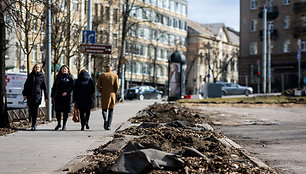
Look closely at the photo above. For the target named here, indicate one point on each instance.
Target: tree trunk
(4, 122)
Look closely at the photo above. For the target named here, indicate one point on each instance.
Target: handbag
(76, 117)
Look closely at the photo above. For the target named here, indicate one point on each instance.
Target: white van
(14, 86)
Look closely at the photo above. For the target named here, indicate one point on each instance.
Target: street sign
(88, 36)
(96, 49)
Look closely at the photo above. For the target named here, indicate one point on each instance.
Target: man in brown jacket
(108, 87)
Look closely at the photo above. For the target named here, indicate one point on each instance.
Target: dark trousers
(108, 121)
(58, 117)
(84, 116)
(33, 110)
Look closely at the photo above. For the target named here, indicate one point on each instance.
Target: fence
(20, 115)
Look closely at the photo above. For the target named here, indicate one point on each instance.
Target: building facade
(212, 55)
(286, 22)
(155, 29)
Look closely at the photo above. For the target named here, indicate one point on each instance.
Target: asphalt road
(274, 134)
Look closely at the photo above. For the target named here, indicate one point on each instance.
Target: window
(35, 24)
(303, 45)
(286, 46)
(270, 25)
(96, 11)
(62, 59)
(41, 54)
(253, 26)
(253, 48)
(101, 12)
(75, 5)
(75, 58)
(115, 15)
(286, 2)
(303, 19)
(286, 22)
(107, 13)
(253, 4)
(114, 39)
(42, 26)
(34, 54)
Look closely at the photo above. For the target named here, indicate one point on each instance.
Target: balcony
(299, 7)
(298, 28)
(299, 32)
(272, 13)
(274, 34)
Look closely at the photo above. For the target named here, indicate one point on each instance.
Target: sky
(215, 11)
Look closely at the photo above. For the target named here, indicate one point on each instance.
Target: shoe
(33, 128)
(82, 128)
(57, 127)
(87, 127)
(64, 128)
(108, 128)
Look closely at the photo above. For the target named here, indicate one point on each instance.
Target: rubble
(171, 139)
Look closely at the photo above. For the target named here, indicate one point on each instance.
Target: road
(275, 134)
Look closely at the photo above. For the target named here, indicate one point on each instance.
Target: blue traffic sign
(298, 55)
(88, 36)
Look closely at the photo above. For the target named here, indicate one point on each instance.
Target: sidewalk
(46, 150)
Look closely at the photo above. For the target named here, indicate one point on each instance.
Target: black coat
(84, 89)
(35, 83)
(63, 83)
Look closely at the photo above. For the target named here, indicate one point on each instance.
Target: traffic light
(258, 74)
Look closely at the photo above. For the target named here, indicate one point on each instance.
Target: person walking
(61, 95)
(108, 87)
(83, 91)
(32, 92)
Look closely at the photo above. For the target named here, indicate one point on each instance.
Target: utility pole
(264, 49)
(49, 30)
(89, 27)
(208, 62)
(299, 62)
(269, 58)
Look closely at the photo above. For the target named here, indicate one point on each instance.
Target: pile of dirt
(168, 112)
(170, 139)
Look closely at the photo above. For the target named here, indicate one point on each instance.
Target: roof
(212, 30)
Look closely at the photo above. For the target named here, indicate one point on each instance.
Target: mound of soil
(199, 150)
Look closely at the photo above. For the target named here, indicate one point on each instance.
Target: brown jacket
(108, 87)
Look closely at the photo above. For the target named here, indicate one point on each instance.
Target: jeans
(108, 121)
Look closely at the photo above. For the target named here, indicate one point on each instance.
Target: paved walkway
(46, 150)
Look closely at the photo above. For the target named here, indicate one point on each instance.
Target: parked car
(229, 88)
(143, 92)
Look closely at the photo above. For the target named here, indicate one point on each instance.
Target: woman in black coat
(61, 95)
(84, 89)
(32, 92)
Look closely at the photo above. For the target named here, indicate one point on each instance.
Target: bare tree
(63, 30)
(26, 14)
(4, 122)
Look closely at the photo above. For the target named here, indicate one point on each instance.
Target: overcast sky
(215, 11)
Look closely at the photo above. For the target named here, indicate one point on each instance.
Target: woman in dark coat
(84, 89)
(32, 92)
(61, 95)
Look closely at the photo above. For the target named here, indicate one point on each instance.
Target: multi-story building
(286, 22)
(155, 29)
(160, 29)
(212, 55)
